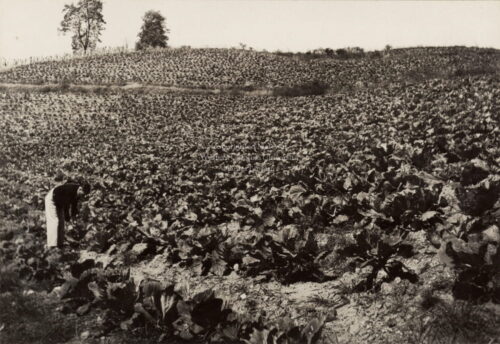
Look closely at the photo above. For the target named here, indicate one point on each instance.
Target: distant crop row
(226, 68)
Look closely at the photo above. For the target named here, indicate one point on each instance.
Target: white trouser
(55, 221)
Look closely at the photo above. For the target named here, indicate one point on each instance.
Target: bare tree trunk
(88, 28)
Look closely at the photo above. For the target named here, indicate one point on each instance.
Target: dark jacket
(65, 197)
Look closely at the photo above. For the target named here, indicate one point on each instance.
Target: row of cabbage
(226, 68)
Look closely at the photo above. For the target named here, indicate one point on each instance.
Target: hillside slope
(224, 68)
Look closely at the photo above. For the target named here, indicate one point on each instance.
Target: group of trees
(86, 22)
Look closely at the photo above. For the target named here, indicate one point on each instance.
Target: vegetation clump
(153, 33)
(85, 21)
(314, 88)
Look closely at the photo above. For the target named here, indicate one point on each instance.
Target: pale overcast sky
(29, 27)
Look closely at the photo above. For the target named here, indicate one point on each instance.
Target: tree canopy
(85, 21)
(153, 31)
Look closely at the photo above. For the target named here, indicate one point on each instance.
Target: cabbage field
(229, 68)
(366, 215)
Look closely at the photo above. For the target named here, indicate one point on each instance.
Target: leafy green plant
(289, 255)
(476, 264)
(380, 252)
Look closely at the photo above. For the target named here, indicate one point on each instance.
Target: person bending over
(61, 204)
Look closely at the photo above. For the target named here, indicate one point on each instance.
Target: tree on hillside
(86, 22)
(153, 31)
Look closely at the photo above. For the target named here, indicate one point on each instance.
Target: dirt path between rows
(132, 87)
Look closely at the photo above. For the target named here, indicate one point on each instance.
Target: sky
(30, 27)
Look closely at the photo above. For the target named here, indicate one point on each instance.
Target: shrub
(329, 52)
(375, 54)
(101, 90)
(9, 279)
(483, 69)
(64, 84)
(342, 53)
(46, 89)
(314, 88)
